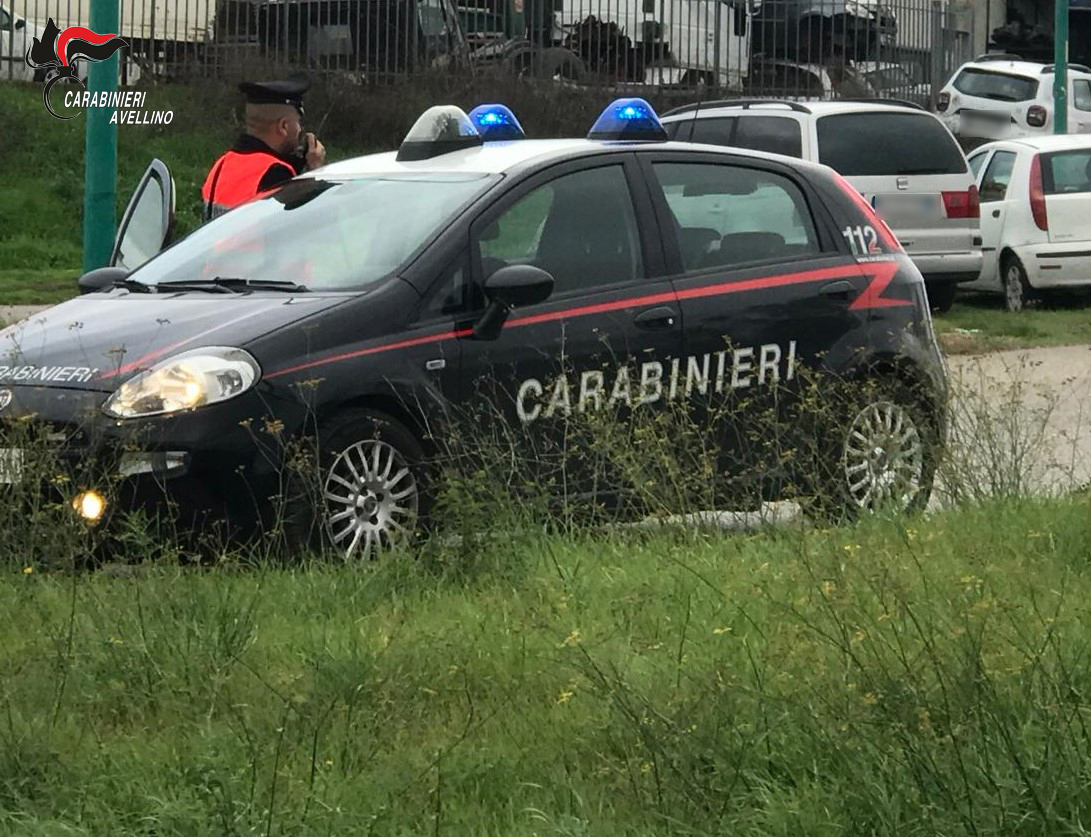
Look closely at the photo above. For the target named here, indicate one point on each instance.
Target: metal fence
(806, 49)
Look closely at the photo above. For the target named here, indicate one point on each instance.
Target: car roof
(1029, 69)
(822, 108)
(1047, 142)
(511, 157)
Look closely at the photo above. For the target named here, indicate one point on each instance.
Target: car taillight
(942, 101)
(1036, 116)
(962, 204)
(1038, 194)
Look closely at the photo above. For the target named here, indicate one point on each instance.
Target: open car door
(148, 220)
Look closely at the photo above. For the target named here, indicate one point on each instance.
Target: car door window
(580, 228)
(5, 21)
(713, 131)
(994, 186)
(1081, 94)
(730, 215)
(976, 161)
(776, 134)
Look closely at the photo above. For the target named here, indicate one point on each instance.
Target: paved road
(1025, 413)
(13, 313)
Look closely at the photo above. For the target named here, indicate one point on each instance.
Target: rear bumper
(938, 268)
(1065, 265)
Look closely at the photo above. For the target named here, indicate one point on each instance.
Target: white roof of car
(1030, 69)
(822, 108)
(1046, 142)
(501, 157)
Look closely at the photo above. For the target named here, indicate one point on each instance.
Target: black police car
(362, 302)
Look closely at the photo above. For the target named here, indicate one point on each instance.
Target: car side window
(994, 186)
(776, 134)
(453, 294)
(580, 228)
(976, 161)
(730, 215)
(714, 131)
(1081, 94)
(5, 21)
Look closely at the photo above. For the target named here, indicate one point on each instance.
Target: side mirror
(511, 287)
(100, 279)
(20, 23)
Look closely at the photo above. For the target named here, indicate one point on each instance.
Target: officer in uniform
(273, 150)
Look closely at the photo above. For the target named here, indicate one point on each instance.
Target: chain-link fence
(805, 49)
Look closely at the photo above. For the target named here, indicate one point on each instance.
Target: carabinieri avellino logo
(59, 53)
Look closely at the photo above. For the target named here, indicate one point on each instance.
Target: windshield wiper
(133, 285)
(232, 284)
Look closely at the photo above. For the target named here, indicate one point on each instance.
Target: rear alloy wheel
(885, 456)
(1017, 291)
(372, 488)
(883, 461)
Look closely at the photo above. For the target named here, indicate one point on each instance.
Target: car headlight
(184, 382)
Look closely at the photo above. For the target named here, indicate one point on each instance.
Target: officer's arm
(275, 176)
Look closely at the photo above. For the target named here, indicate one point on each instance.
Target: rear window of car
(884, 143)
(775, 134)
(987, 84)
(1066, 172)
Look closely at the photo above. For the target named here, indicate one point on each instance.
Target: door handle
(657, 318)
(840, 289)
(996, 213)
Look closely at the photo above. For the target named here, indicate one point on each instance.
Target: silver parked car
(901, 158)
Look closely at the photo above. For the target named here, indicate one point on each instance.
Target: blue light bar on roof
(628, 119)
(496, 123)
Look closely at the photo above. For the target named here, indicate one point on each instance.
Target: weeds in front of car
(887, 678)
(538, 669)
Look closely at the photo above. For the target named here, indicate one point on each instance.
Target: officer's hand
(316, 152)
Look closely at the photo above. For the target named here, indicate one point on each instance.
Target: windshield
(998, 86)
(324, 235)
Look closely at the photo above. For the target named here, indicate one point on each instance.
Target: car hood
(98, 341)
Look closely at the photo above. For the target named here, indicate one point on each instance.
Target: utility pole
(1060, 67)
(100, 149)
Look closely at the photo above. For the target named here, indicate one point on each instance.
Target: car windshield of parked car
(1000, 86)
(881, 143)
(322, 234)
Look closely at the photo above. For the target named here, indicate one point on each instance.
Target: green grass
(979, 323)
(929, 679)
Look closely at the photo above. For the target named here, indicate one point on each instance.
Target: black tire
(861, 454)
(377, 468)
(1013, 279)
(941, 298)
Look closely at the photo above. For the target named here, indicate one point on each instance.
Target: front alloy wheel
(371, 499)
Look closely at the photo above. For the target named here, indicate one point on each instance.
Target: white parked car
(1035, 216)
(1000, 96)
(16, 37)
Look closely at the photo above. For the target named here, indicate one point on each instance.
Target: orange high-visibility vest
(234, 180)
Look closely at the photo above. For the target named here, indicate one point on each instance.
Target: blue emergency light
(496, 123)
(628, 119)
(439, 130)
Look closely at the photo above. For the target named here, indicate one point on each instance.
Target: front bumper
(215, 463)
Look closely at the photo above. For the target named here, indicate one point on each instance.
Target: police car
(362, 304)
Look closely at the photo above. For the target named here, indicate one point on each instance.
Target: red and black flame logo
(59, 52)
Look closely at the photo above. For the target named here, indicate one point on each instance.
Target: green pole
(100, 149)
(1060, 67)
